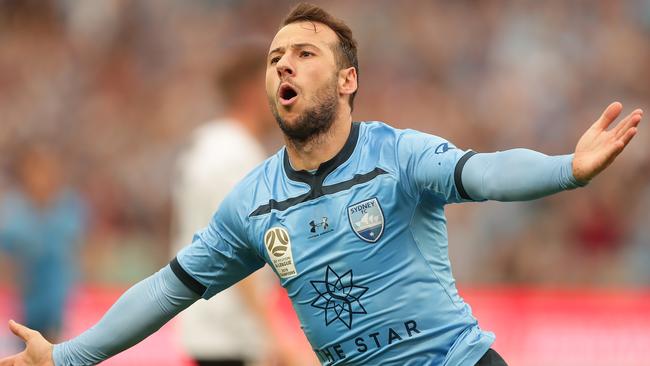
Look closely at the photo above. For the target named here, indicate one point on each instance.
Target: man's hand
(598, 147)
(38, 351)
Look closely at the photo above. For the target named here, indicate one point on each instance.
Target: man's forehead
(304, 32)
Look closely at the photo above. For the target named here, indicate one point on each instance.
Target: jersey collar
(327, 167)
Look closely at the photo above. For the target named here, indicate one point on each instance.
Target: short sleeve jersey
(360, 246)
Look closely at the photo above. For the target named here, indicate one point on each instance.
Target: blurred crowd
(117, 86)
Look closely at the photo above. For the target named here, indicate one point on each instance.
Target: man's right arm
(218, 258)
(138, 313)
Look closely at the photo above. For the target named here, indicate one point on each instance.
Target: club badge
(367, 220)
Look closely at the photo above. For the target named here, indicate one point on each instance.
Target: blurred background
(107, 93)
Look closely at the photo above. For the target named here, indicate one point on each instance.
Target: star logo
(339, 297)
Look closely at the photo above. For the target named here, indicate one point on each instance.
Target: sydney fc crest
(367, 220)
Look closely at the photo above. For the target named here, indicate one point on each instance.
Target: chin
(290, 115)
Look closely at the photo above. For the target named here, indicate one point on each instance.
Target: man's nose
(284, 68)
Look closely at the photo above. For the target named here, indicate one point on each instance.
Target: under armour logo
(323, 224)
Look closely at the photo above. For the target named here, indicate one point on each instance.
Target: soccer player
(371, 283)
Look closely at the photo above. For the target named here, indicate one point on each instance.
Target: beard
(314, 121)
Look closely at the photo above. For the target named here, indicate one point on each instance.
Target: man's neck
(311, 155)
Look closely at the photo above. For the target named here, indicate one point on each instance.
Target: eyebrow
(294, 46)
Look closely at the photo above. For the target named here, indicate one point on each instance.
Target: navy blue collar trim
(316, 179)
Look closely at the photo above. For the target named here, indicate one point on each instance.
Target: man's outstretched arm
(520, 174)
(138, 313)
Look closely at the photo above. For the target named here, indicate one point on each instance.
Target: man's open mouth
(287, 94)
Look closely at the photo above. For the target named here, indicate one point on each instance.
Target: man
(231, 328)
(374, 285)
(41, 228)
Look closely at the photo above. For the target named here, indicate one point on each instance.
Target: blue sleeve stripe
(186, 278)
(458, 175)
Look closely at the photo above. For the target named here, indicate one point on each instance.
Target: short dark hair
(346, 52)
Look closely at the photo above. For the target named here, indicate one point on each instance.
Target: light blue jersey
(360, 246)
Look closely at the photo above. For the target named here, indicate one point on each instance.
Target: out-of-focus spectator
(232, 328)
(41, 227)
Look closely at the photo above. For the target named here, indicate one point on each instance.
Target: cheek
(321, 75)
(322, 85)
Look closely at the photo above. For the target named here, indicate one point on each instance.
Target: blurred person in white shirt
(236, 327)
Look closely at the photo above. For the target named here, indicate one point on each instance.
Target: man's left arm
(521, 174)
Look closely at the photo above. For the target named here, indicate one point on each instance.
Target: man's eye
(305, 54)
(275, 60)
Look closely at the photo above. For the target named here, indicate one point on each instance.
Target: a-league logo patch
(367, 220)
(278, 246)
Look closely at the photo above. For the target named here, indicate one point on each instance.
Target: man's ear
(348, 81)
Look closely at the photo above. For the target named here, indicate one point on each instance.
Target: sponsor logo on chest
(319, 227)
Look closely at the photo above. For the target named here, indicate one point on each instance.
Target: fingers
(628, 136)
(21, 331)
(609, 115)
(632, 120)
(617, 146)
